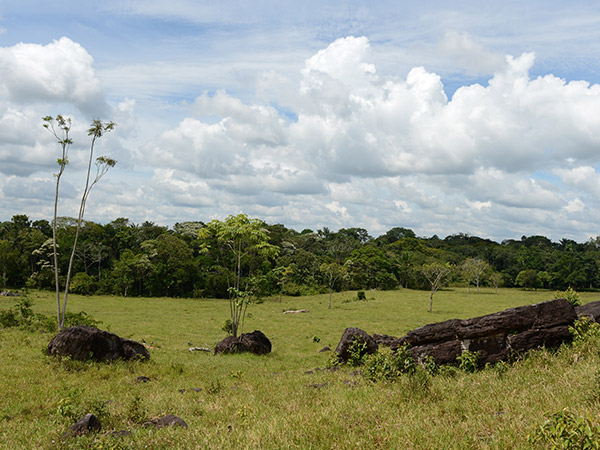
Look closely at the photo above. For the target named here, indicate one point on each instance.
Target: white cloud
(61, 71)
(352, 145)
(357, 133)
(575, 206)
(467, 53)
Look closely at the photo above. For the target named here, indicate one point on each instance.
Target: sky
(443, 117)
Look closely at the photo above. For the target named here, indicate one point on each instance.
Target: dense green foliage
(128, 259)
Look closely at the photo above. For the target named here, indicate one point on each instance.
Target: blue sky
(443, 117)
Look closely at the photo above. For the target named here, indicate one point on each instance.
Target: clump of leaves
(357, 352)
(389, 366)
(81, 318)
(565, 430)
(468, 361)
(214, 387)
(571, 295)
(584, 329)
(22, 316)
(227, 327)
(69, 406)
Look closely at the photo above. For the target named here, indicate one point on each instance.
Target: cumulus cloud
(362, 144)
(354, 147)
(61, 71)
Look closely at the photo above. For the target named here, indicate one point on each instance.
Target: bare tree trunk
(431, 300)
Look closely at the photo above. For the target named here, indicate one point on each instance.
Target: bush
(571, 295)
(565, 430)
(21, 315)
(358, 353)
(83, 284)
(227, 327)
(468, 361)
(81, 318)
(389, 366)
(584, 329)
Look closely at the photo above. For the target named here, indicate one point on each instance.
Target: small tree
(473, 270)
(333, 273)
(60, 128)
(245, 239)
(437, 274)
(496, 280)
(528, 279)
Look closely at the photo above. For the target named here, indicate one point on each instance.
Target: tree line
(188, 260)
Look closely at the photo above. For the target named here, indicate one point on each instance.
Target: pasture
(286, 399)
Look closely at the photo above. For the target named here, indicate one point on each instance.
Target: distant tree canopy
(129, 259)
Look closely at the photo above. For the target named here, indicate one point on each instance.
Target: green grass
(270, 401)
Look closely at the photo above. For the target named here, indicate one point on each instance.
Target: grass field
(271, 402)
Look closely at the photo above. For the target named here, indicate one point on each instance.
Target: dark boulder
(134, 350)
(255, 342)
(169, 420)
(82, 343)
(351, 335)
(441, 352)
(433, 332)
(495, 336)
(535, 338)
(88, 424)
(384, 339)
(590, 310)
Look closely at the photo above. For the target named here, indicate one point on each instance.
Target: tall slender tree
(60, 128)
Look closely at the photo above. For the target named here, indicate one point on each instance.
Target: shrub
(389, 366)
(584, 329)
(227, 327)
(357, 352)
(468, 361)
(571, 295)
(81, 318)
(21, 315)
(83, 284)
(565, 430)
(360, 295)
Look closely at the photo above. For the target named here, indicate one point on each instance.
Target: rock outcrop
(86, 425)
(494, 336)
(351, 335)
(589, 310)
(82, 343)
(255, 342)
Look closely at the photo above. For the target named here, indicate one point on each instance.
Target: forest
(128, 259)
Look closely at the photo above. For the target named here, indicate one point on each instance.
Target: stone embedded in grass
(119, 433)
(83, 343)
(142, 379)
(255, 342)
(88, 424)
(350, 335)
(169, 420)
